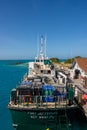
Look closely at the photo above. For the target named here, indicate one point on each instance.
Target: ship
(40, 101)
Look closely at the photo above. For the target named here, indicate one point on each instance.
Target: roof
(82, 63)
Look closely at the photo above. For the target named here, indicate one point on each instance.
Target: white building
(79, 68)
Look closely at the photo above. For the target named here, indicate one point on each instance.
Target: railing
(39, 101)
(80, 95)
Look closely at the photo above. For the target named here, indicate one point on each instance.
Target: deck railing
(40, 101)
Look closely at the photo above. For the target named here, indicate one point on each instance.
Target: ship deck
(43, 106)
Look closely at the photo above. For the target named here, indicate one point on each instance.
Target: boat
(40, 102)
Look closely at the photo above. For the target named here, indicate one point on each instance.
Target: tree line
(67, 61)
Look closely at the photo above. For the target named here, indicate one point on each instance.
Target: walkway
(78, 84)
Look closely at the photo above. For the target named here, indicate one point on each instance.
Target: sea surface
(11, 74)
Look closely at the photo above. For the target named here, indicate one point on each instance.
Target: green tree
(69, 61)
(78, 57)
(56, 60)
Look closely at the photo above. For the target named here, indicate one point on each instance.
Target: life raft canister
(28, 98)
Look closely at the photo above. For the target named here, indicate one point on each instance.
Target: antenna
(71, 55)
(41, 47)
(45, 46)
(37, 47)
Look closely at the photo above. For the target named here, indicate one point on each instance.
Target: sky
(22, 22)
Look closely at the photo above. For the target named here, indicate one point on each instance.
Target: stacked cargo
(47, 93)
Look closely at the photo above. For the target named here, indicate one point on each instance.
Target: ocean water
(10, 76)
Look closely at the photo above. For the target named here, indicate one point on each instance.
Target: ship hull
(32, 119)
(36, 119)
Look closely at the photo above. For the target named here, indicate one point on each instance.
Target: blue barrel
(50, 90)
(47, 92)
(57, 93)
(44, 90)
(45, 99)
(50, 99)
(63, 95)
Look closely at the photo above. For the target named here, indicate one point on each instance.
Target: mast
(41, 46)
(45, 46)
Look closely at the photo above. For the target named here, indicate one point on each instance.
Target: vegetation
(55, 60)
(78, 57)
(69, 61)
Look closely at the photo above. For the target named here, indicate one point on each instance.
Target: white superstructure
(41, 65)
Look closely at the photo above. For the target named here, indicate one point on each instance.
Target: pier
(80, 95)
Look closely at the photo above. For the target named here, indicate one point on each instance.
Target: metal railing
(40, 101)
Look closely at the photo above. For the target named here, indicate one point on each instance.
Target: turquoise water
(10, 75)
